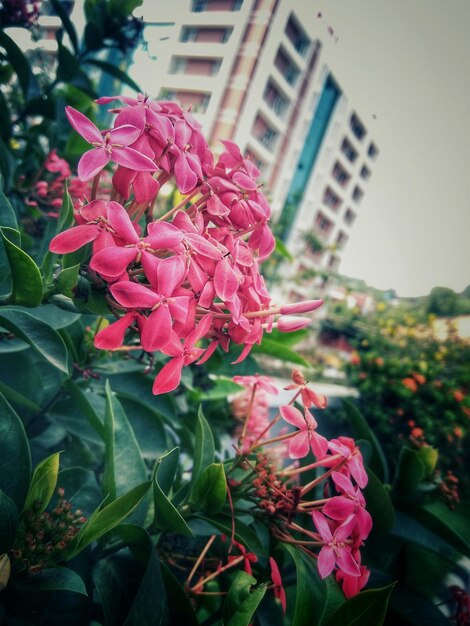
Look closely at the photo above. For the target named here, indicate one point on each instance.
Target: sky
(405, 67)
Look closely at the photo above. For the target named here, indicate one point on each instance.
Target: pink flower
(336, 550)
(306, 438)
(351, 501)
(249, 557)
(169, 377)
(353, 584)
(278, 590)
(309, 397)
(94, 228)
(346, 447)
(113, 146)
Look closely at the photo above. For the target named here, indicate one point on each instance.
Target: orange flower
(379, 361)
(419, 378)
(417, 433)
(355, 358)
(410, 384)
(458, 395)
(458, 432)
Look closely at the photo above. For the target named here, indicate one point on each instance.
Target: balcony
(200, 6)
(275, 100)
(297, 36)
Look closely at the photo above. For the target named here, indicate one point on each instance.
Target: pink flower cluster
(340, 518)
(193, 272)
(47, 192)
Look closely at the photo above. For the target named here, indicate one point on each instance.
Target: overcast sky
(405, 66)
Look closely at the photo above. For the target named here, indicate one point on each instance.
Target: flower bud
(301, 307)
(290, 324)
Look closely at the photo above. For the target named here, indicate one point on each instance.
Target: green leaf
(67, 281)
(26, 278)
(379, 504)
(310, 594)
(167, 516)
(222, 388)
(8, 215)
(81, 488)
(282, 250)
(279, 351)
(242, 600)
(39, 335)
(410, 471)
(366, 609)
(81, 400)
(149, 605)
(68, 66)
(18, 61)
(67, 24)
(15, 457)
(124, 465)
(165, 469)
(104, 520)
(410, 530)
(8, 521)
(204, 448)
(115, 72)
(43, 484)
(378, 462)
(53, 579)
(450, 525)
(179, 607)
(54, 316)
(66, 216)
(210, 489)
(18, 399)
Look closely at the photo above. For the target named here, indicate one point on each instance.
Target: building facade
(252, 71)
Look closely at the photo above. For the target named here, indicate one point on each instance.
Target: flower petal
(112, 262)
(121, 222)
(92, 162)
(74, 238)
(128, 157)
(326, 561)
(112, 336)
(132, 295)
(293, 416)
(168, 378)
(83, 125)
(157, 329)
(299, 445)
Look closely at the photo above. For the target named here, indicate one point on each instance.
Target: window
(372, 151)
(340, 174)
(341, 239)
(197, 101)
(322, 223)
(357, 127)
(264, 133)
(193, 66)
(365, 172)
(286, 67)
(199, 6)
(331, 199)
(297, 36)
(333, 262)
(205, 34)
(273, 98)
(348, 150)
(349, 217)
(357, 194)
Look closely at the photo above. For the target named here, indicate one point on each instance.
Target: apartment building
(253, 71)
